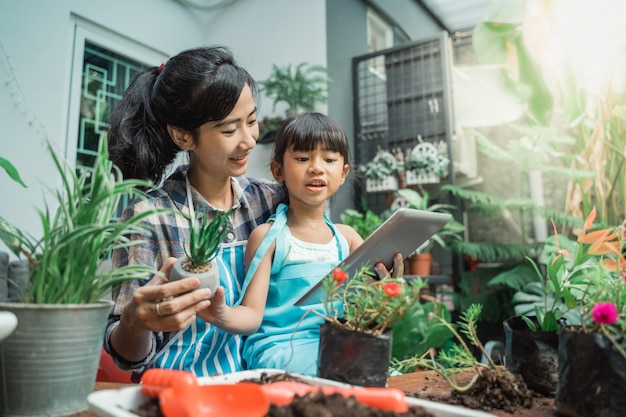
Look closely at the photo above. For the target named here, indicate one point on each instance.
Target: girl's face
(223, 147)
(311, 177)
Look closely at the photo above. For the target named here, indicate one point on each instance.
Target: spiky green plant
(301, 88)
(64, 263)
(205, 237)
(460, 357)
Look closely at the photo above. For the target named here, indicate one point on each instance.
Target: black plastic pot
(592, 375)
(533, 355)
(355, 358)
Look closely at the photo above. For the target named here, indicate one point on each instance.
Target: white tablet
(404, 231)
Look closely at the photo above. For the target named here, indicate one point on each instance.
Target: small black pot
(533, 355)
(352, 357)
(592, 375)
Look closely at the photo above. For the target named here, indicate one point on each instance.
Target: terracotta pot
(352, 357)
(420, 263)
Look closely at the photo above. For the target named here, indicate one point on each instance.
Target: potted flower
(61, 315)
(381, 172)
(425, 165)
(356, 337)
(596, 349)
(205, 237)
(301, 88)
(531, 340)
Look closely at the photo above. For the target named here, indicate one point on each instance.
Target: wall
(37, 43)
(37, 37)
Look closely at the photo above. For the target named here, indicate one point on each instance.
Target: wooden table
(427, 382)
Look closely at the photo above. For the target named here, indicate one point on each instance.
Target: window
(105, 76)
(104, 63)
(379, 36)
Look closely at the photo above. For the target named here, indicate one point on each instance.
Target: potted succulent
(301, 88)
(205, 237)
(381, 172)
(356, 336)
(61, 311)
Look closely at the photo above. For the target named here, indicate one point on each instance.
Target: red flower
(604, 313)
(339, 275)
(392, 289)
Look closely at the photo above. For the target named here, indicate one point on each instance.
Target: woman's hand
(166, 306)
(396, 272)
(158, 306)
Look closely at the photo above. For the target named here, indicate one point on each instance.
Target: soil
(309, 405)
(497, 391)
(487, 394)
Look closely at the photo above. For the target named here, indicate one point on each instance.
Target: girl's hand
(396, 272)
(215, 313)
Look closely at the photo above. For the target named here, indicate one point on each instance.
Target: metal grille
(402, 97)
(105, 77)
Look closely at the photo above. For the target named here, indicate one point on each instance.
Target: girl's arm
(246, 317)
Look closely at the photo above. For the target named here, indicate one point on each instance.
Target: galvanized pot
(48, 365)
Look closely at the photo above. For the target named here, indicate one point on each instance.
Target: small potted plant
(205, 237)
(425, 165)
(356, 339)
(596, 348)
(381, 172)
(64, 289)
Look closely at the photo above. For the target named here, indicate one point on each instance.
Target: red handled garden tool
(180, 395)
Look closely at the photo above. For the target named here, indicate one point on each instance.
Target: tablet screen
(404, 231)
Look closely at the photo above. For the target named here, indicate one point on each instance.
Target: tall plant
(64, 262)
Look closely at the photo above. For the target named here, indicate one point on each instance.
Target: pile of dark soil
(497, 391)
(496, 388)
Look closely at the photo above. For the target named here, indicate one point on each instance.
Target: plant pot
(389, 183)
(209, 277)
(352, 357)
(48, 365)
(419, 264)
(592, 375)
(533, 355)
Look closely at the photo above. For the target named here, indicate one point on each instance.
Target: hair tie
(161, 67)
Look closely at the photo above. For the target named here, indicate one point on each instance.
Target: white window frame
(86, 31)
(384, 40)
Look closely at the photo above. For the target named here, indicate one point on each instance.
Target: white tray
(120, 402)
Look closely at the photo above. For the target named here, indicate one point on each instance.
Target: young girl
(200, 101)
(293, 251)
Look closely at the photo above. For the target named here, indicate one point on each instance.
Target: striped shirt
(201, 348)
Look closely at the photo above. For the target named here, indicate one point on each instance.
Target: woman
(200, 102)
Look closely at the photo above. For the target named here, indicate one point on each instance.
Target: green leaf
(12, 171)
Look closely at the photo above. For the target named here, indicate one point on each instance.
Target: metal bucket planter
(48, 365)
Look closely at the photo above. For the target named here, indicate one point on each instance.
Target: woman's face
(223, 147)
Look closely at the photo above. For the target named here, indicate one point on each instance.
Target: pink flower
(604, 313)
(392, 289)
